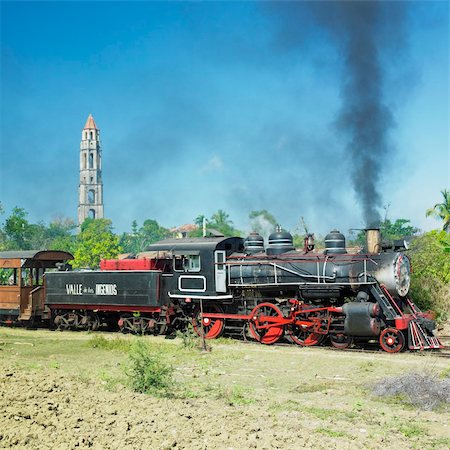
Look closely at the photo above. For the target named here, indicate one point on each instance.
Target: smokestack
(373, 240)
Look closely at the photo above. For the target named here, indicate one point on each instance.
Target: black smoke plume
(367, 34)
(364, 118)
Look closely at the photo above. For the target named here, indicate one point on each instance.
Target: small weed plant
(189, 338)
(148, 373)
(411, 430)
(234, 395)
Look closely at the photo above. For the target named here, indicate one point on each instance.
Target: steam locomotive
(236, 285)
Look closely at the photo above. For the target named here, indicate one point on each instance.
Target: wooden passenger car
(21, 282)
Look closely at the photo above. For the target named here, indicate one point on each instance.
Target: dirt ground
(57, 392)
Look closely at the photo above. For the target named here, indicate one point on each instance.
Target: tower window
(92, 135)
(84, 161)
(91, 196)
(91, 160)
(92, 213)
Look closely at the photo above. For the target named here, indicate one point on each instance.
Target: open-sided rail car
(22, 280)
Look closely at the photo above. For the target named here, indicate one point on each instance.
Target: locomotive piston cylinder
(361, 319)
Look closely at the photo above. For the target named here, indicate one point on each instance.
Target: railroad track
(442, 353)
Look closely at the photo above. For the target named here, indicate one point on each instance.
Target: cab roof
(207, 243)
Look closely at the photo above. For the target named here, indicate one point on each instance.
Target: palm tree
(199, 220)
(442, 210)
(221, 218)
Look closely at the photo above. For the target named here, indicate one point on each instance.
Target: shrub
(430, 277)
(148, 373)
(425, 391)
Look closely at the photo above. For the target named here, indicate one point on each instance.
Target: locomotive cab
(198, 266)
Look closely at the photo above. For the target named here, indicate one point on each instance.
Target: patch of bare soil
(51, 410)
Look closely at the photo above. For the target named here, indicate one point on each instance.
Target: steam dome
(254, 243)
(335, 243)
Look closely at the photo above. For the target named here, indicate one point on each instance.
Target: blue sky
(229, 105)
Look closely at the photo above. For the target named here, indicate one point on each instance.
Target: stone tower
(90, 192)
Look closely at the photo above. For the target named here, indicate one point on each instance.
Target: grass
(328, 413)
(445, 373)
(333, 433)
(411, 430)
(99, 341)
(312, 387)
(326, 392)
(435, 443)
(314, 411)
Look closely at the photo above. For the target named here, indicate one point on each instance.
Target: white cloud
(214, 164)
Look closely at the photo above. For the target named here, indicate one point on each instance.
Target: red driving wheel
(260, 325)
(212, 327)
(302, 335)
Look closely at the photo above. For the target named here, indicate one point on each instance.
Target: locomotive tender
(231, 284)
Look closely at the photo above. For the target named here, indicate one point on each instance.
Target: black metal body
(96, 288)
(318, 276)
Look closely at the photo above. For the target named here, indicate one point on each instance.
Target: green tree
(19, 234)
(60, 234)
(199, 231)
(390, 231)
(263, 222)
(397, 230)
(442, 210)
(221, 218)
(37, 235)
(199, 220)
(151, 232)
(140, 238)
(430, 278)
(17, 231)
(96, 241)
(131, 242)
(220, 221)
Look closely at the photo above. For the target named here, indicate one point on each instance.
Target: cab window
(186, 263)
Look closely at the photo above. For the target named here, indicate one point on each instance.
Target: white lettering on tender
(106, 289)
(74, 289)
